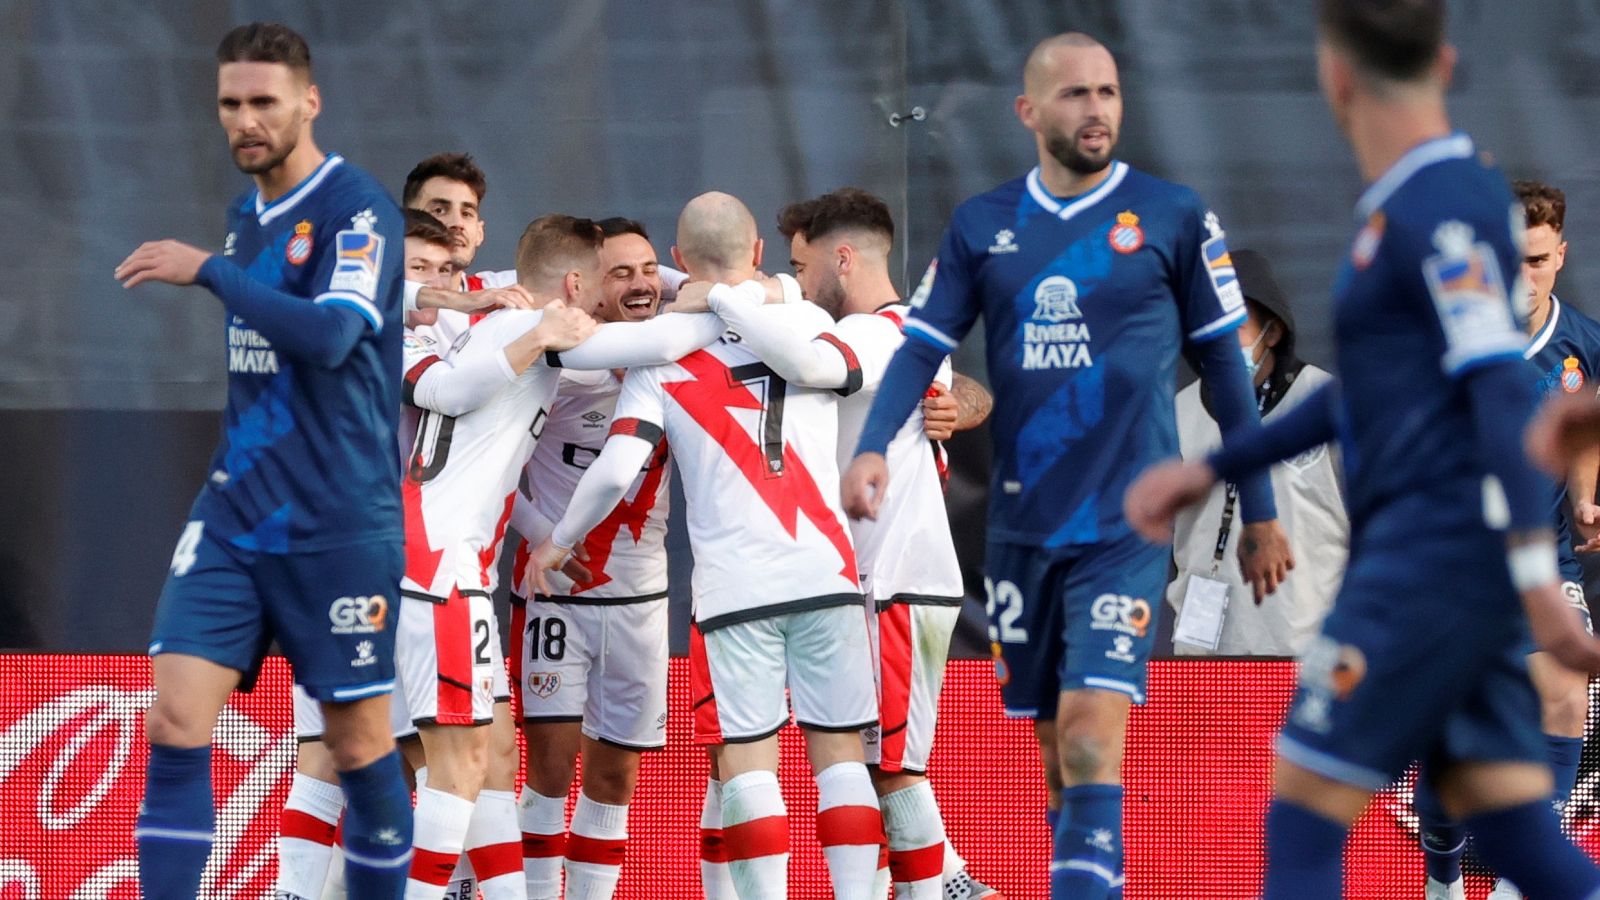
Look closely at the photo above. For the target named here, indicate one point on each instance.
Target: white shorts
(911, 643)
(449, 659)
(738, 673)
(308, 716)
(602, 664)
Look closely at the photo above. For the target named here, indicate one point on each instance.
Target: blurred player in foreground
(296, 532)
(1423, 656)
(1091, 277)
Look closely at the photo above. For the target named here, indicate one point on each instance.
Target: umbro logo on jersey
(1005, 241)
(594, 418)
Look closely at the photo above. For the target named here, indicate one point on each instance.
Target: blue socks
(175, 822)
(1443, 839)
(1564, 755)
(377, 829)
(1087, 864)
(1525, 844)
(1305, 855)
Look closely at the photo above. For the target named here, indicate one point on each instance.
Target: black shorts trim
(903, 770)
(567, 600)
(552, 720)
(430, 720)
(751, 739)
(788, 607)
(893, 731)
(920, 600)
(423, 595)
(634, 748)
(836, 729)
(308, 738)
(473, 592)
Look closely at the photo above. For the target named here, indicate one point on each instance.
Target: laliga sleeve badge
(1571, 375)
(1126, 236)
(1366, 244)
(298, 250)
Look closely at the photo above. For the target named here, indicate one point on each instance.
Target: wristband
(1533, 565)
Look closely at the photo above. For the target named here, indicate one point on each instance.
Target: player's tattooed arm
(962, 406)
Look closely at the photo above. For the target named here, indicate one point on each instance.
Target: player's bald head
(716, 231)
(1051, 56)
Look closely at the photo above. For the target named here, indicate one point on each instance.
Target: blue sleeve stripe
(931, 334)
(1457, 365)
(357, 302)
(1219, 327)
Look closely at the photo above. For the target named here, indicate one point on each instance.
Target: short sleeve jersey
(1086, 303)
(1424, 299)
(627, 550)
(760, 478)
(463, 471)
(307, 461)
(1566, 358)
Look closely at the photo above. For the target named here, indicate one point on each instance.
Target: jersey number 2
(1004, 608)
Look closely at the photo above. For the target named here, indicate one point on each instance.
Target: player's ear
(1444, 66)
(1560, 257)
(756, 262)
(677, 259)
(844, 257)
(1025, 111)
(312, 102)
(1274, 332)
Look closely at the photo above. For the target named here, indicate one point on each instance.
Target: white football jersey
(758, 458)
(421, 343)
(462, 472)
(908, 552)
(627, 551)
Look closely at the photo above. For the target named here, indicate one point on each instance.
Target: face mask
(1251, 364)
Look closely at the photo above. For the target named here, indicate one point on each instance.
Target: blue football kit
(1430, 355)
(296, 533)
(1087, 303)
(1565, 353)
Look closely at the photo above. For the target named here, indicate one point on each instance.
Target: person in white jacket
(1214, 607)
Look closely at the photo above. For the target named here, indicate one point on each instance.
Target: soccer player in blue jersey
(296, 534)
(1091, 277)
(1564, 347)
(1423, 656)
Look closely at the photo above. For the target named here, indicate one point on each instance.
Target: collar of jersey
(1451, 146)
(266, 212)
(1545, 333)
(1065, 211)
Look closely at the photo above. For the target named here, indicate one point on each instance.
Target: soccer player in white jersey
(451, 187)
(457, 490)
(591, 659)
(311, 812)
(775, 590)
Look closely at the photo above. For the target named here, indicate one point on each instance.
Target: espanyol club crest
(1126, 236)
(298, 250)
(1366, 243)
(1571, 375)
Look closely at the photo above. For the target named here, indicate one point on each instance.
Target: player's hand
(1561, 429)
(1158, 494)
(940, 411)
(513, 296)
(1264, 557)
(173, 262)
(1558, 628)
(422, 317)
(574, 567)
(863, 485)
(693, 297)
(1586, 522)
(773, 285)
(546, 557)
(563, 327)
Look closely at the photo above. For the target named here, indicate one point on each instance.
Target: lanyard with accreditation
(1205, 599)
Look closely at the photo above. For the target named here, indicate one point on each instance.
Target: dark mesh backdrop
(109, 138)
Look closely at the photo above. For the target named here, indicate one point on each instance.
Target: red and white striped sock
(916, 842)
(544, 842)
(755, 832)
(716, 882)
(595, 849)
(880, 881)
(494, 844)
(849, 828)
(306, 836)
(438, 836)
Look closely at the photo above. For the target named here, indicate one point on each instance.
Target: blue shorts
(1424, 657)
(332, 612)
(1072, 617)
